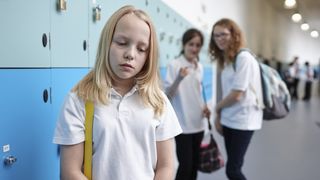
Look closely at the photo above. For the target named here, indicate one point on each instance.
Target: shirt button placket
(119, 106)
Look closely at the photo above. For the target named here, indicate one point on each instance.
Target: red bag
(210, 158)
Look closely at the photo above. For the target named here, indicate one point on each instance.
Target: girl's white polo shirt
(187, 101)
(245, 114)
(125, 133)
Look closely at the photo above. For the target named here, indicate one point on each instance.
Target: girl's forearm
(171, 91)
(164, 173)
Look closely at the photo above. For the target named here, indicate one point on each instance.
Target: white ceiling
(309, 9)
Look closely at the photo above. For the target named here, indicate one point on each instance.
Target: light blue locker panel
(24, 33)
(140, 4)
(154, 10)
(207, 82)
(157, 11)
(174, 27)
(61, 86)
(69, 34)
(24, 124)
(170, 27)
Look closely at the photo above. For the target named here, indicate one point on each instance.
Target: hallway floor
(287, 149)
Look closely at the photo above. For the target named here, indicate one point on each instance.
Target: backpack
(276, 97)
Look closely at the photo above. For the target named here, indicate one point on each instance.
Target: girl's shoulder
(245, 54)
(176, 62)
(245, 57)
(72, 98)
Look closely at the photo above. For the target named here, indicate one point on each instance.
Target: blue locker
(25, 111)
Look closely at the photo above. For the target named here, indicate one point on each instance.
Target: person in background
(266, 61)
(134, 122)
(309, 78)
(279, 68)
(183, 87)
(238, 109)
(318, 77)
(289, 78)
(295, 73)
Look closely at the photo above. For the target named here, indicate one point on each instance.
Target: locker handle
(62, 5)
(97, 13)
(44, 40)
(84, 45)
(10, 160)
(45, 96)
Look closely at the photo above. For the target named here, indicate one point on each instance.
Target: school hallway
(286, 149)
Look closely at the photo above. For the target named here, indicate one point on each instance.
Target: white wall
(268, 32)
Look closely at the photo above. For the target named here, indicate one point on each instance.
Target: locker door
(69, 34)
(25, 114)
(24, 33)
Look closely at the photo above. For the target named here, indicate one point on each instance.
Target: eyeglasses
(222, 35)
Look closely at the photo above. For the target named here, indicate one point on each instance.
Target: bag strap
(205, 101)
(88, 140)
(235, 57)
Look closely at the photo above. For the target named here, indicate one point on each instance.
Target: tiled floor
(287, 149)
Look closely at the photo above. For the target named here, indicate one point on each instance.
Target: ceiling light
(314, 34)
(290, 4)
(296, 17)
(305, 27)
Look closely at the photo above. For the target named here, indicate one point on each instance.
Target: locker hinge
(50, 95)
(49, 41)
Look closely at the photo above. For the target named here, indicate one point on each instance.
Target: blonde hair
(96, 85)
(237, 42)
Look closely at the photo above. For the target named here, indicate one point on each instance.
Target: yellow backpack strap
(88, 140)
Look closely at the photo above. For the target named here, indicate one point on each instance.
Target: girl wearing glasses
(238, 80)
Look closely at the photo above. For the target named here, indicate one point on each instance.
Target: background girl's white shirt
(187, 101)
(125, 133)
(245, 114)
